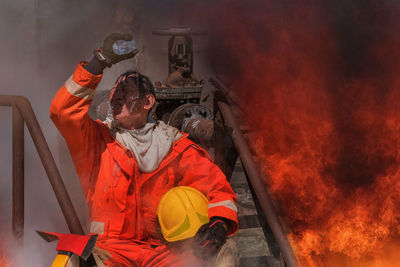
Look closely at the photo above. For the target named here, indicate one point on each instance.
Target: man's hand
(106, 54)
(210, 238)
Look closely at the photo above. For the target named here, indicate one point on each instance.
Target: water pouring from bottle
(122, 47)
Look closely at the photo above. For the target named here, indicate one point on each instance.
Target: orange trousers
(129, 253)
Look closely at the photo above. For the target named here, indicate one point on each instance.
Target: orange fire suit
(122, 200)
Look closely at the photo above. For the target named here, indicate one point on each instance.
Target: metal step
(250, 239)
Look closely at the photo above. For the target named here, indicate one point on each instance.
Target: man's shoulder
(182, 143)
(187, 146)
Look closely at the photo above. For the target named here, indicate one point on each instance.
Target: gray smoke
(42, 41)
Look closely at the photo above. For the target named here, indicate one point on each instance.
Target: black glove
(210, 238)
(106, 54)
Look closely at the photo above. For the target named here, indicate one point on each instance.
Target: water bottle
(122, 47)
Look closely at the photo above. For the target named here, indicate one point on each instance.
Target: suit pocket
(119, 187)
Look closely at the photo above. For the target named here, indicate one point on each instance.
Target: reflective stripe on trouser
(97, 227)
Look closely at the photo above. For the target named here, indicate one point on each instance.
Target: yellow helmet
(181, 212)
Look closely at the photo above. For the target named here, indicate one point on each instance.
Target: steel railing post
(18, 191)
(23, 112)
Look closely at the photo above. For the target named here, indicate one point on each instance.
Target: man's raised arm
(69, 108)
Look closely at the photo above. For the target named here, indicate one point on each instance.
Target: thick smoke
(42, 41)
(321, 79)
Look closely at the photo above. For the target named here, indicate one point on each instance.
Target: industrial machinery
(179, 95)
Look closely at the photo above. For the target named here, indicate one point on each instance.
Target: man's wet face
(124, 100)
(117, 100)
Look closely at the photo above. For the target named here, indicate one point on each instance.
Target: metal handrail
(22, 112)
(254, 176)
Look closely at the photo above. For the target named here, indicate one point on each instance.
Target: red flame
(4, 261)
(327, 98)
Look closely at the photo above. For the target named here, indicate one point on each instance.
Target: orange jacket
(122, 200)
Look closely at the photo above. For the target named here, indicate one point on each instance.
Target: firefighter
(127, 163)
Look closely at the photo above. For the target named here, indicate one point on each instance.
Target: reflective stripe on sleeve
(77, 90)
(226, 203)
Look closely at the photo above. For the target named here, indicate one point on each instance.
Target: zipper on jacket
(138, 209)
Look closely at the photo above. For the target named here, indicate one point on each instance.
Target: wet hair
(142, 82)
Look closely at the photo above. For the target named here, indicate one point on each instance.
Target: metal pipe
(233, 100)
(199, 129)
(258, 185)
(47, 159)
(18, 194)
(228, 93)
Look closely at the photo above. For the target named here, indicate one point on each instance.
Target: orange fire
(335, 220)
(4, 262)
(326, 98)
